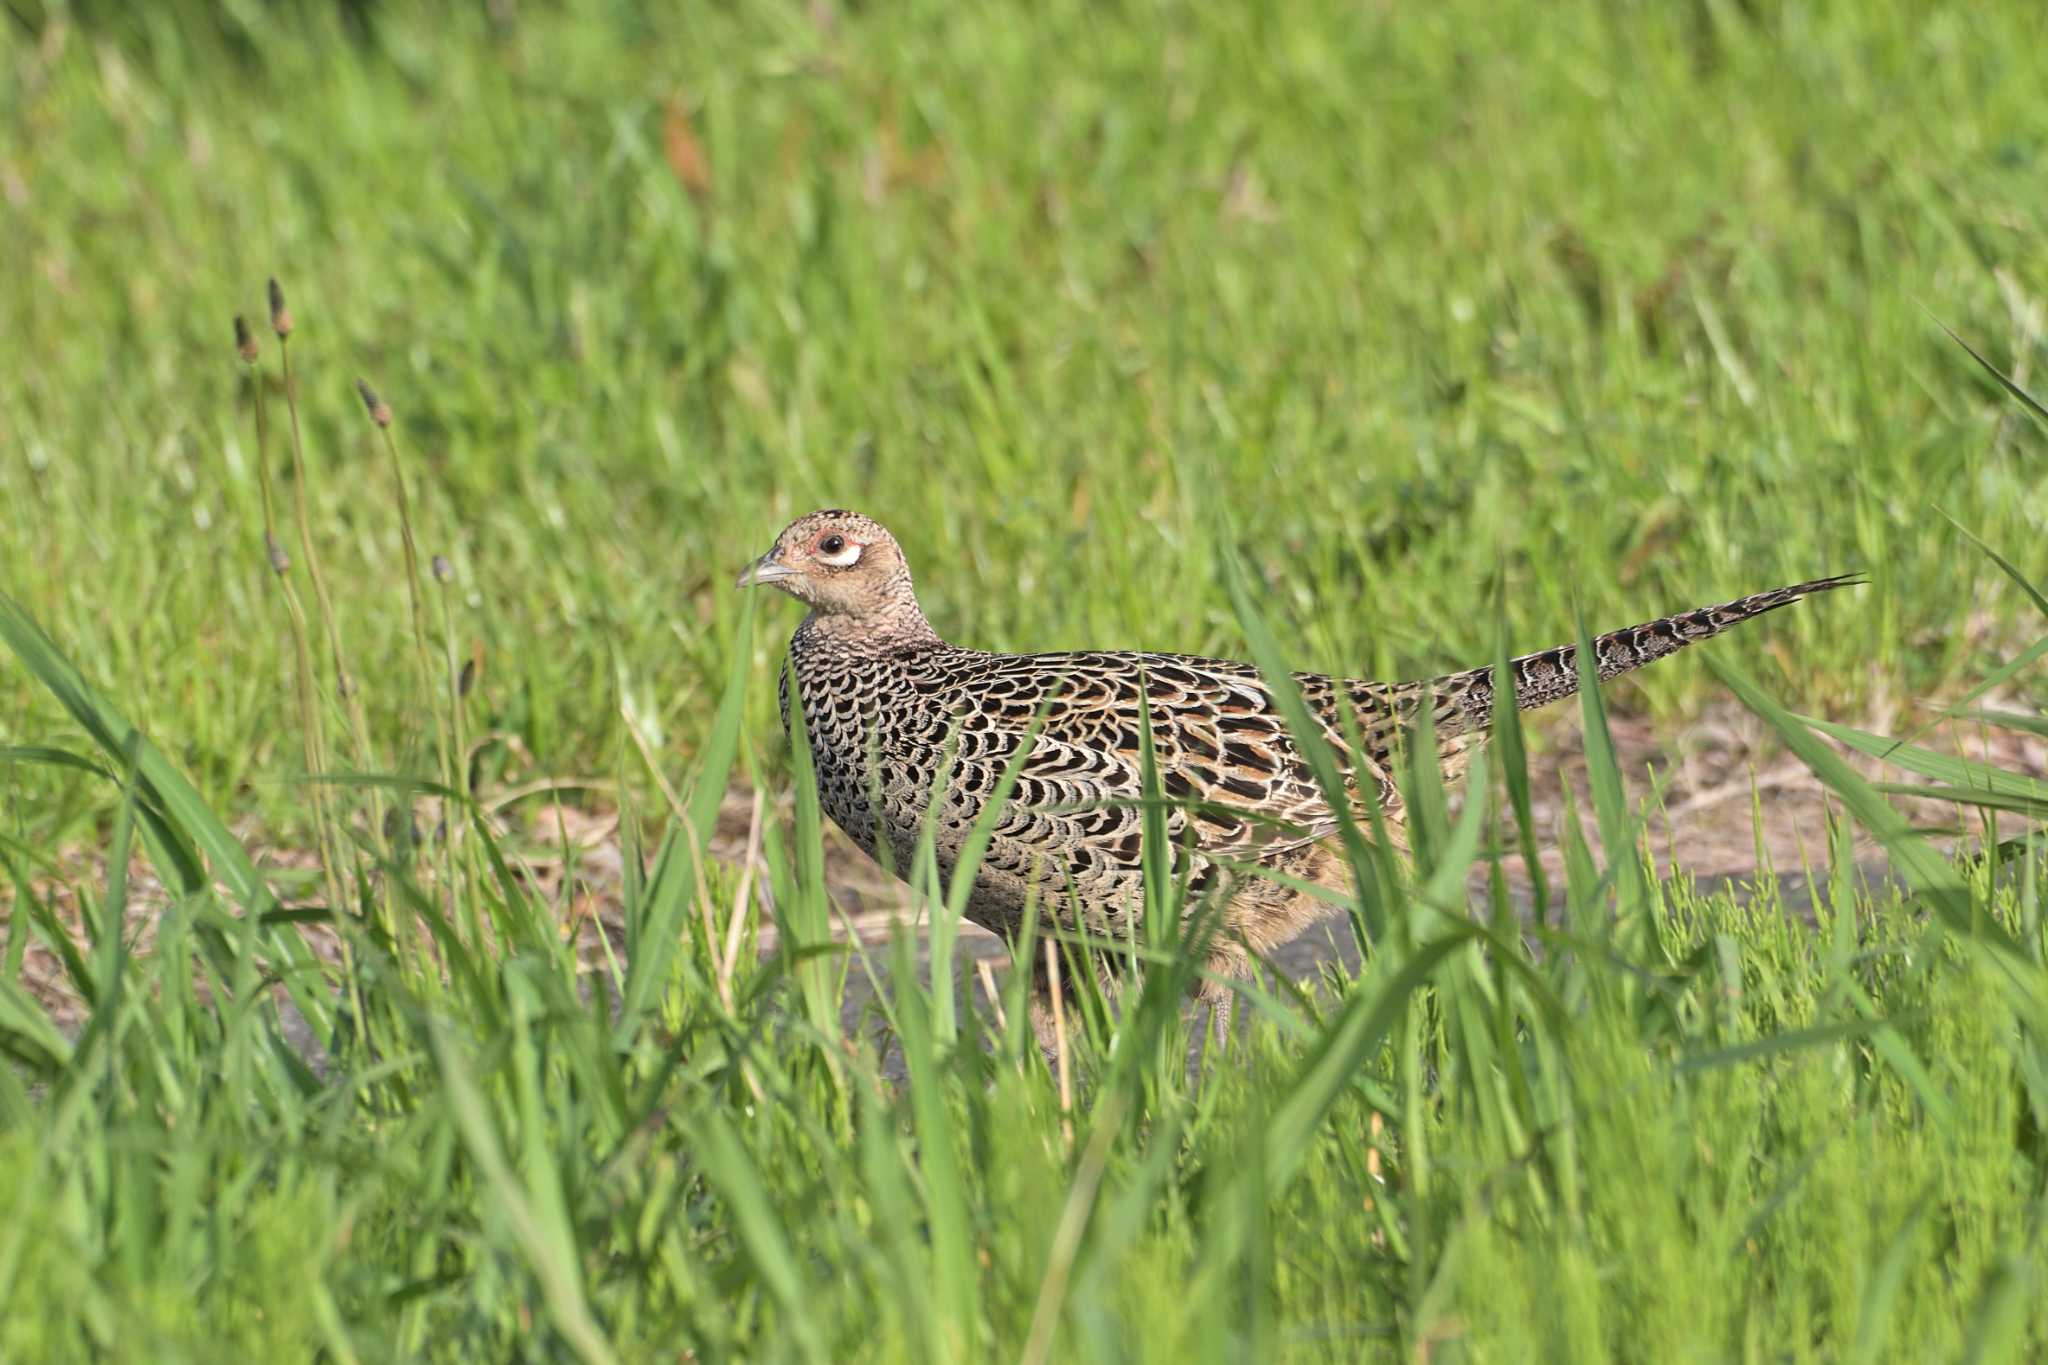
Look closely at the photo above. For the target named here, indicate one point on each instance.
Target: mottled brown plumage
(902, 723)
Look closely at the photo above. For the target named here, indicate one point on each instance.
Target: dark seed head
(443, 570)
(280, 562)
(468, 678)
(379, 410)
(245, 340)
(280, 316)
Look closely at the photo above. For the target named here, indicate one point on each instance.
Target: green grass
(1301, 335)
(1671, 1124)
(1628, 302)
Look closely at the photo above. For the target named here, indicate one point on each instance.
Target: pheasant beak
(766, 569)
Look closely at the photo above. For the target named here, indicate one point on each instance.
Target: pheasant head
(846, 566)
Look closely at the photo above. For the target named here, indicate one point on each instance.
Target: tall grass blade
(1882, 1289)
(805, 916)
(1618, 831)
(1315, 750)
(554, 1265)
(946, 1193)
(1929, 874)
(655, 925)
(161, 785)
(1950, 769)
(1999, 1326)
(1510, 759)
(2005, 381)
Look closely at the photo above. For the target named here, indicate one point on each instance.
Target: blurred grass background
(1629, 301)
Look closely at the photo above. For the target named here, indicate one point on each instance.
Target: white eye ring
(844, 558)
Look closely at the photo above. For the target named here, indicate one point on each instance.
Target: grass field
(1613, 308)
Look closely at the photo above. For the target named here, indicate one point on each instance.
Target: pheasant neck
(882, 629)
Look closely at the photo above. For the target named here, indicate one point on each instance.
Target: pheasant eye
(837, 552)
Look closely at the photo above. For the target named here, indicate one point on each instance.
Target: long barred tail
(1464, 701)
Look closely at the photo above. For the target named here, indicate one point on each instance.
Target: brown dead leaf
(685, 153)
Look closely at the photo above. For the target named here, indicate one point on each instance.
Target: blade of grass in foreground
(553, 1264)
(1927, 871)
(946, 1188)
(1932, 878)
(2018, 665)
(1946, 768)
(886, 1165)
(1882, 1287)
(1322, 762)
(805, 915)
(1610, 803)
(111, 961)
(28, 1036)
(1510, 758)
(655, 921)
(732, 1172)
(1376, 1003)
(161, 786)
(948, 914)
(2005, 381)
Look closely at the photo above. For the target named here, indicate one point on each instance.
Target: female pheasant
(903, 724)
